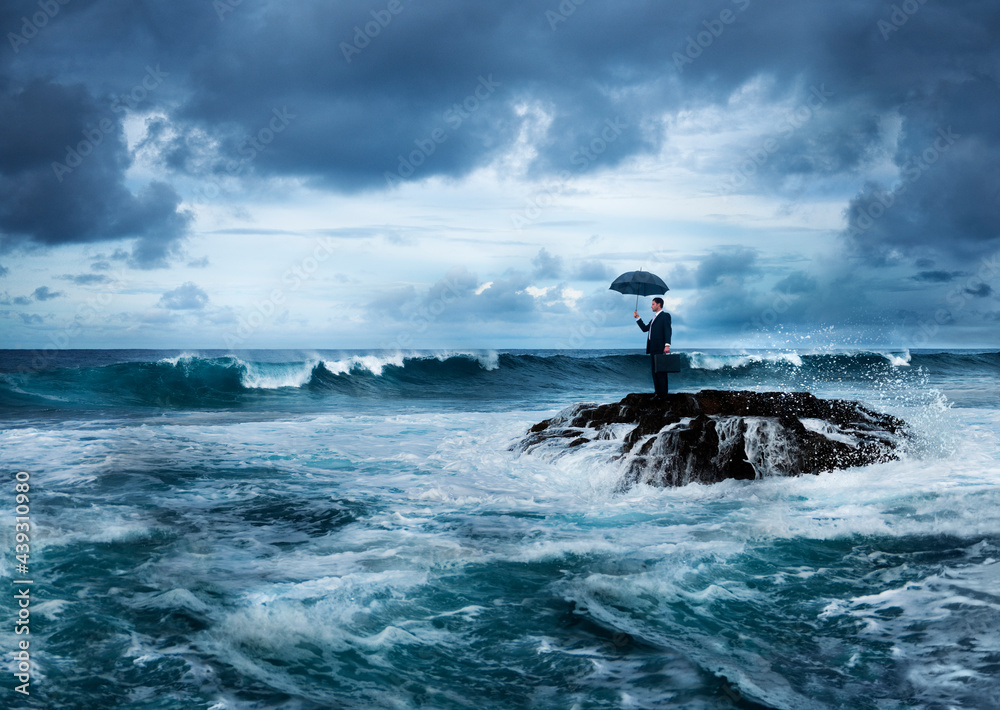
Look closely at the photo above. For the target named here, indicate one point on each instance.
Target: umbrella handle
(637, 302)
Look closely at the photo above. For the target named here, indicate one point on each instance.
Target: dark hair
(658, 300)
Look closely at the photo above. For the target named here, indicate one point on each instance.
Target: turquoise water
(352, 530)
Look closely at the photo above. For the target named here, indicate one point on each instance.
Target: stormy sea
(352, 529)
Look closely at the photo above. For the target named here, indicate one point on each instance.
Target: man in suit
(658, 334)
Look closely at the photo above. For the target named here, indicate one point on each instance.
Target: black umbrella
(641, 283)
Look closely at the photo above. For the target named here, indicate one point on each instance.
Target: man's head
(657, 304)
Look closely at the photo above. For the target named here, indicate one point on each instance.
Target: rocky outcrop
(714, 435)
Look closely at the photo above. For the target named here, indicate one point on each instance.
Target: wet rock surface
(715, 435)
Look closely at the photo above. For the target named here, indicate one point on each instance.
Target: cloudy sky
(444, 174)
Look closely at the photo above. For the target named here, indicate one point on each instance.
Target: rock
(714, 435)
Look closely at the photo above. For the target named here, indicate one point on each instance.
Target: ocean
(352, 529)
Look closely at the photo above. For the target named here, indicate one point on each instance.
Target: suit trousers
(660, 383)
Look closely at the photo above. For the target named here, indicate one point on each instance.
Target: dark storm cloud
(845, 301)
(741, 300)
(86, 279)
(437, 91)
(102, 262)
(367, 85)
(948, 198)
(796, 282)
(980, 291)
(42, 293)
(680, 276)
(348, 92)
(63, 159)
(734, 264)
(938, 276)
(728, 302)
(355, 95)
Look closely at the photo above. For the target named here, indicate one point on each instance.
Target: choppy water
(350, 530)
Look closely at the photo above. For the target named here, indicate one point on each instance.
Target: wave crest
(210, 380)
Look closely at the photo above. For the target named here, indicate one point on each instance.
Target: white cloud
(570, 296)
(538, 292)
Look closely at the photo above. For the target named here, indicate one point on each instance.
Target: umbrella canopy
(641, 283)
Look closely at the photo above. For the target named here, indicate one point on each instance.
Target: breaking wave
(211, 380)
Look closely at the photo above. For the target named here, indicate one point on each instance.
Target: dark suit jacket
(660, 335)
